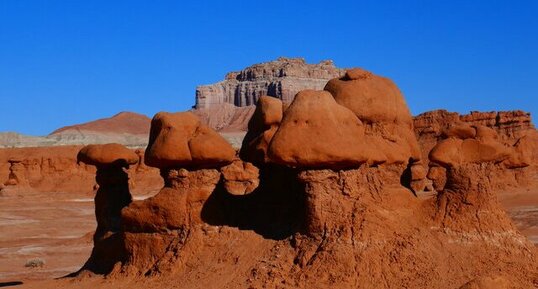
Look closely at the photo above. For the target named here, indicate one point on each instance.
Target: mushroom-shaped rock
(452, 152)
(181, 140)
(107, 154)
(261, 128)
(372, 98)
(113, 183)
(378, 103)
(240, 178)
(316, 132)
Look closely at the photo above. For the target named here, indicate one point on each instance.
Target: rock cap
(107, 154)
(316, 132)
(181, 140)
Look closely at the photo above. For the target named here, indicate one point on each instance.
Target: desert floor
(57, 228)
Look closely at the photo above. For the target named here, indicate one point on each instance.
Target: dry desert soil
(57, 228)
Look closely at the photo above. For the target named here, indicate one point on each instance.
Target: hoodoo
(111, 196)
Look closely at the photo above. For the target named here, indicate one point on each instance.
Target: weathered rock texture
(226, 117)
(180, 139)
(313, 223)
(511, 126)
(507, 137)
(380, 106)
(281, 78)
(261, 128)
(315, 131)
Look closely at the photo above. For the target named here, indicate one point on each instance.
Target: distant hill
(124, 123)
(128, 128)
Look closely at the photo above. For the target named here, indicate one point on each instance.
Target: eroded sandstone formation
(112, 194)
(55, 169)
(281, 78)
(508, 138)
(331, 202)
(180, 139)
(511, 126)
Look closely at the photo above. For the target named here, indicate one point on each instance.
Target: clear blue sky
(66, 62)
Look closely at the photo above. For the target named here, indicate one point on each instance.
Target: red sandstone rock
(372, 98)
(55, 169)
(16, 175)
(261, 128)
(418, 172)
(179, 139)
(164, 211)
(461, 131)
(496, 282)
(485, 133)
(452, 152)
(525, 152)
(438, 177)
(378, 103)
(176, 206)
(317, 132)
(240, 178)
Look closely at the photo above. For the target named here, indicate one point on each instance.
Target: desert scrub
(35, 263)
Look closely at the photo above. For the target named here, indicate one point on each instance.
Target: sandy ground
(54, 228)
(522, 206)
(57, 229)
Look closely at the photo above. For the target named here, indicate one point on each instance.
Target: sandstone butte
(323, 194)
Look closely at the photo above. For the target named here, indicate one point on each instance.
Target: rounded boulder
(181, 140)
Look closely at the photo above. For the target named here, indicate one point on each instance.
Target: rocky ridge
(281, 78)
(510, 126)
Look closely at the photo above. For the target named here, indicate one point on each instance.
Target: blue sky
(66, 62)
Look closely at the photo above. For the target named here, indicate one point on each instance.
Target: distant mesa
(281, 78)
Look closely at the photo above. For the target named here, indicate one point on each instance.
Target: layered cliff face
(55, 169)
(511, 126)
(281, 78)
(316, 211)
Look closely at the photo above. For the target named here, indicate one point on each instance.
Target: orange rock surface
(181, 139)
